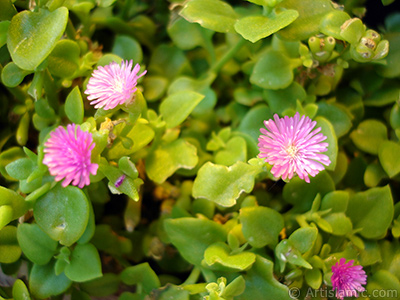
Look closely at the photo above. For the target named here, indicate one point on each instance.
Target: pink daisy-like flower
(67, 154)
(292, 146)
(347, 279)
(113, 84)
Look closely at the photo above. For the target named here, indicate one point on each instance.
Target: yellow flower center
(118, 85)
(292, 151)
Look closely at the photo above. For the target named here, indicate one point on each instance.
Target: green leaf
(154, 87)
(374, 173)
(129, 186)
(303, 239)
(20, 291)
(285, 252)
(188, 35)
(63, 61)
(14, 203)
(9, 248)
(261, 225)
(37, 246)
(63, 213)
(371, 253)
(7, 10)
(383, 97)
(337, 115)
(236, 150)
(272, 71)
(104, 286)
(127, 48)
(223, 185)
(389, 157)
(12, 75)
(352, 30)
(369, 135)
(168, 61)
(33, 35)
(382, 282)
(392, 68)
(140, 135)
(3, 32)
(184, 83)
(310, 15)
(142, 274)
(21, 168)
(211, 14)
(328, 130)
(217, 257)
(301, 194)
(283, 99)
(84, 263)
(340, 223)
(260, 282)
(43, 109)
(336, 201)
(395, 116)
(255, 28)
(365, 206)
(178, 106)
(163, 161)
(193, 236)
(254, 120)
(313, 278)
(44, 283)
(74, 106)
(331, 23)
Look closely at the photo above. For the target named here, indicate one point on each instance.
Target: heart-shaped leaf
(64, 59)
(63, 213)
(211, 14)
(303, 239)
(84, 263)
(167, 158)
(272, 71)
(261, 225)
(365, 206)
(193, 236)
(369, 135)
(217, 257)
(36, 244)
(43, 281)
(255, 28)
(260, 281)
(142, 274)
(33, 35)
(224, 185)
(177, 107)
(235, 150)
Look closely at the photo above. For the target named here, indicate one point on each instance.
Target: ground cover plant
(199, 149)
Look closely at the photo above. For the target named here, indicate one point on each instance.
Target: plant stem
(193, 277)
(228, 55)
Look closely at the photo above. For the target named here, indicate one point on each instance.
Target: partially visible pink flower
(347, 279)
(293, 147)
(113, 84)
(67, 154)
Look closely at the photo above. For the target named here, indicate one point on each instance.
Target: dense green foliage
(198, 214)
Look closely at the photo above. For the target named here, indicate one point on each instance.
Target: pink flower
(113, 84)
(292, 146)
(67, 154)
(347, 279)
